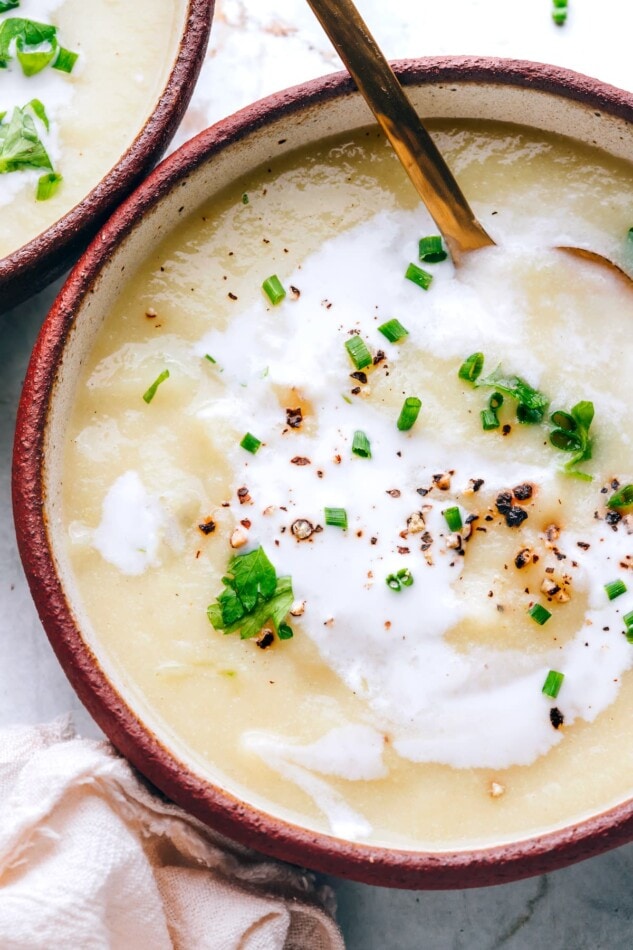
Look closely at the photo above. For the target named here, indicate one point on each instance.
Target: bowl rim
(371, 864)
(33, 265)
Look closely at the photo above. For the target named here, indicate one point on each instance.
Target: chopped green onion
(393, 330)
(628, 618)
(453, 518)
(470, 370)
(273, 289)
(615, 589)
(431, 251)
(539, 614)
(409, 413)
(553, 683)
(623, 498)
(572, 435)
(358, 352)
(361, 445)
(402, 578)
(418, 276)
(250, 443)
(244, 199)
(208, 356)
(66, 60)
(346, 398)
(47, 186)
(149, 394)
(336, 517)
(489, 420)
(628, 633)
(284, 631)
(8, 5)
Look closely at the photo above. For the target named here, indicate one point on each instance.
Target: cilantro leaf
(253, 596)
(251, 575)
(28, 34)
(8, 5)
(572, 435)
(20, 144)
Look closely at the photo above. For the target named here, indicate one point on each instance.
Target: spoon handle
(398, 119)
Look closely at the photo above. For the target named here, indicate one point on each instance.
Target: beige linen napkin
(90, 859)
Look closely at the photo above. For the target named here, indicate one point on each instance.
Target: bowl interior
(520, 93)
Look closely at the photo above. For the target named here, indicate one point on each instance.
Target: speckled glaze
(37, 263)
(543, 97)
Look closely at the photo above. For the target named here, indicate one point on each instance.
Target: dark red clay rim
(41, 260)
(222, 811)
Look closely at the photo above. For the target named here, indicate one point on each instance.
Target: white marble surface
(257, 48)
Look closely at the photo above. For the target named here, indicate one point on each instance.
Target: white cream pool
(126, 51)
(411, 716)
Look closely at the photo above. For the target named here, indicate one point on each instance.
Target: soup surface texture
(94, 112)
(463, 568)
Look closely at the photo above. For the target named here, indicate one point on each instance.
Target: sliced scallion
(453, 517)
(273, 289)
(336, 517)
(628, 618)
(361, 445)
(431, 250)
(149, 394)
(402, 578)
(553, 683)
(47, 186)
(539, 614)
(250, 443)
(418, 276)
(623, 498)
(615, 589)
(66, 60)
(358, 352)
(393, 330)
(409, 413)
(208, 357)
(470, 370)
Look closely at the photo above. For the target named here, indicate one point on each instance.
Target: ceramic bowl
(32, 266)
(539, 96)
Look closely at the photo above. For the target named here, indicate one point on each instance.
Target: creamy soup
(448, 663)
(125, 52)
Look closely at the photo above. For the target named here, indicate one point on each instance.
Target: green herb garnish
(572, 435)
(361, 445)
(453, 518)
(20, 144)
(36, 46)
(409, 413)
(273, 289)
(250, 443)
(47, 186)
(6, 5)
(336, 517)
(531, 404)
(623, 498)
(418, 276)
(358, 352)
(149, 394)
(470, 370)
(615, 589)
(245, 199)
(393, 330)
(489, 417)
(553, 683)
(539, 614)
(402, 578)
(253, 596)
(559, 11)
(431, 251)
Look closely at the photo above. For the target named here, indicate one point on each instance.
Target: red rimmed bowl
(537, 96)
(165, 91)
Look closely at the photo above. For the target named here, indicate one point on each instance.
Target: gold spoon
(431, 176)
